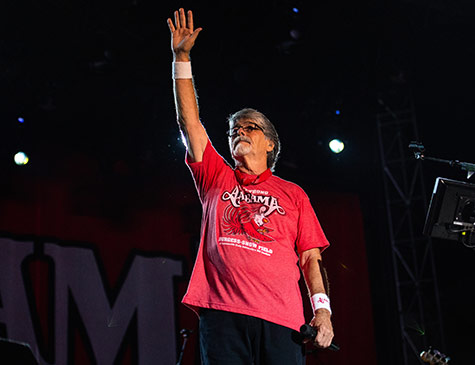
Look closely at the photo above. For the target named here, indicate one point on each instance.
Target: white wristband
(320, 300)
(181, 70)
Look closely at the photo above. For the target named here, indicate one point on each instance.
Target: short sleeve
(310, 234)
(208, 171)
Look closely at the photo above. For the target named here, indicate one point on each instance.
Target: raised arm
(183, 39)
(313, 272)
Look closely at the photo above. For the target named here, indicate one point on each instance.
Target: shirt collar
(246, 179)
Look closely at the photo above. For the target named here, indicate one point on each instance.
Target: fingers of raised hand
(177, 19)
(190, 20)
(182, 18)
(182, 21)
(170, 25)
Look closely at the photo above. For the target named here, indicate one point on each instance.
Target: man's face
(247, 137)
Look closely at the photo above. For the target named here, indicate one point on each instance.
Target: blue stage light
(337, 112)
(295, 10)
(21, 120)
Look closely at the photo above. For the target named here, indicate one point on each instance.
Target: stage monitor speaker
(15, 353)
(451, 213)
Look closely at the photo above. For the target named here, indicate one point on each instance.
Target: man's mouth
(241, 140)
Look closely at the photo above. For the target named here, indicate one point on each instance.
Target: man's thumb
(194, 35)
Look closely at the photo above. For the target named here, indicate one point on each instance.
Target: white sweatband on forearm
(320, 300)
(181, 70)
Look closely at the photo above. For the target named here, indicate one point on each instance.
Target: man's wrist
(323, 311)
(181, 70)
(181, 57)
(320, 301)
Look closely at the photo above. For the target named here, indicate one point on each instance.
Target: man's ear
(270, 146)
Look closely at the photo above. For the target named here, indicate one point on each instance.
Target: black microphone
(308, 332)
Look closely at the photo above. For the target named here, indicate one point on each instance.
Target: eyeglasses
(247, 128)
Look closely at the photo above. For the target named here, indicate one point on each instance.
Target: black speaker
(16, 353)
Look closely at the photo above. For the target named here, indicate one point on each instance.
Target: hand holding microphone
(308, 332)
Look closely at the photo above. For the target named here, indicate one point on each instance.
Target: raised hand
(183, 34)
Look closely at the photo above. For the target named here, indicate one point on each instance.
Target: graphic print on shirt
(248, 214)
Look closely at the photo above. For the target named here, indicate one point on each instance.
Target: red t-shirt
(251, 231)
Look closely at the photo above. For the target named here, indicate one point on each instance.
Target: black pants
(228, 338)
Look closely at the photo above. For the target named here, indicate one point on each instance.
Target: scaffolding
(418, 305)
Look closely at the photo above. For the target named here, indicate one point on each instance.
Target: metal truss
(417, 294)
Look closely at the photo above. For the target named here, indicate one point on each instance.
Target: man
(255, 228)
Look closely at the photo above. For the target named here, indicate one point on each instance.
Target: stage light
(21, 158)
(21, 120)
(295, 34)
(295, 10)
(337, 112)
(336, 145)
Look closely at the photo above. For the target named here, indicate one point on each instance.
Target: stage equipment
(415, 273)
(185, 333)
(434, 357)
(451, 213)
(419, 153)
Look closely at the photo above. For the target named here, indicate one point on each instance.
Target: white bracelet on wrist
(320, 300)
(181, 70)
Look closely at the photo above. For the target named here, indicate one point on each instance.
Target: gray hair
(269, 131)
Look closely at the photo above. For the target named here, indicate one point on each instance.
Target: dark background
(92, 81)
